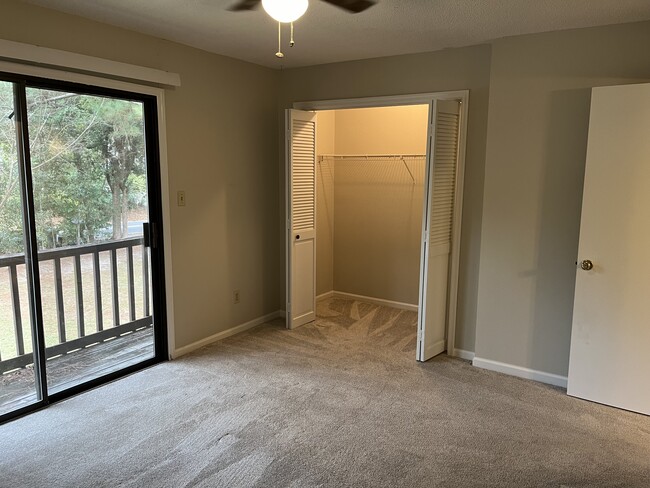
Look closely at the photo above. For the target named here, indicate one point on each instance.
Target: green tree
(88, 167)
(11, 227)
(120, 139)
(69, 190)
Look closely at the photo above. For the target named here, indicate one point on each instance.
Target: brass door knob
(586, 265)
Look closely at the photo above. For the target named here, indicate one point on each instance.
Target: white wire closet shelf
(374, 157)
(369, 156)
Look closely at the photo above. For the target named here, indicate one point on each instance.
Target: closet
(374, 199)
(370, 190)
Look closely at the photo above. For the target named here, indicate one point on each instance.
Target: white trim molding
(463, 354)
(159, 93)
(181, 351)
(521, 372)
(325, 295)
(421, 99)
(69, 61)
(383, 101)
(377, 301)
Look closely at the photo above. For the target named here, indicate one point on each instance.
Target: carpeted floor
(340, 402)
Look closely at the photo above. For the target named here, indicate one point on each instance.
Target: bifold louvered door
(438, 228)
(301, 213)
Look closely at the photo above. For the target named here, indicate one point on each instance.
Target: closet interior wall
(369, 211)
(325, 144)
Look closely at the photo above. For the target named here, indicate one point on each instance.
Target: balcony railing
(103, 331)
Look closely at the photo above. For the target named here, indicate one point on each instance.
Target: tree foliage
(88, 167)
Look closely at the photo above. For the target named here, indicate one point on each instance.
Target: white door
(610, 340)
(301, 215)
(438, 228)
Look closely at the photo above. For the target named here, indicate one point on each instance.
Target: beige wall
(391, 130)
(537, 136)
(378, 206)
(452, 69)
(378, 228)
(325, 144)
(523, 227)
(226, 236)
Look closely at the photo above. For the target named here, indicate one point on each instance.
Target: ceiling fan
(288, 11)
(352, 6)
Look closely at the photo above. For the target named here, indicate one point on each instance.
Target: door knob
(298, 237)
(586, 265)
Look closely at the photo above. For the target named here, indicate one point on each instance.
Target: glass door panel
(89, 171)
(18, 382)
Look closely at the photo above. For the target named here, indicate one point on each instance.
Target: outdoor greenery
(89, 177)
(88, 167)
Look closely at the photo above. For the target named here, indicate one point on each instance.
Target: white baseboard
(377, 301)
(462, 354)
(325, 295)
(529, 374)
(181, 351)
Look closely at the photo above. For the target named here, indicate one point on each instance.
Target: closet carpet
(337, 403)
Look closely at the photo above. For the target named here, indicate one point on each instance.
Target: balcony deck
(17, 388)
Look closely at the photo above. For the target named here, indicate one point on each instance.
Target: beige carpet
(340, 402)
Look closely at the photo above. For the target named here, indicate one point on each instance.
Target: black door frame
(155, 240)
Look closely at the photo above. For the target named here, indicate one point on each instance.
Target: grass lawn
(7, 330)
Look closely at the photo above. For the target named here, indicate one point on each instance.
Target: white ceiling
(327, 34)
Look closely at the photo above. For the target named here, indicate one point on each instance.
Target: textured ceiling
(326, 34)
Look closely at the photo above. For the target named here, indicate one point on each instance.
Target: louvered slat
(303, 175)
(444, 179)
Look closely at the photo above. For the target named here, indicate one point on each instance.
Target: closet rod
(369, 156)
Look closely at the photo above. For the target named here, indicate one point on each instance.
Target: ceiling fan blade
(352, 6)
(244, 5)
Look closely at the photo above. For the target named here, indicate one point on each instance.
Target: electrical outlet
(235, 297)
(181, 198)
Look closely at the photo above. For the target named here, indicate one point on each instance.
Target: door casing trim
(53, 75)
(159, 94)
(423, 99)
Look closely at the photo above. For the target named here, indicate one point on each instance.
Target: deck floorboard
(17, 388)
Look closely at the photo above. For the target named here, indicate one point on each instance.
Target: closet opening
(374, 193)
(370, 171)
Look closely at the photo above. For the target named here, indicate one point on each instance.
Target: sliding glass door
(80, 217)
(19, 386)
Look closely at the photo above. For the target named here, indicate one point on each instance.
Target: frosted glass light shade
(285, 10)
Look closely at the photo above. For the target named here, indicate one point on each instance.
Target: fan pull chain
(279, 53)
(292, 43)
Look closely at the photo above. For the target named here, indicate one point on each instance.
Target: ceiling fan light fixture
(285, 11)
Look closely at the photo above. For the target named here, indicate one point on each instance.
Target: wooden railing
(103, 332)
